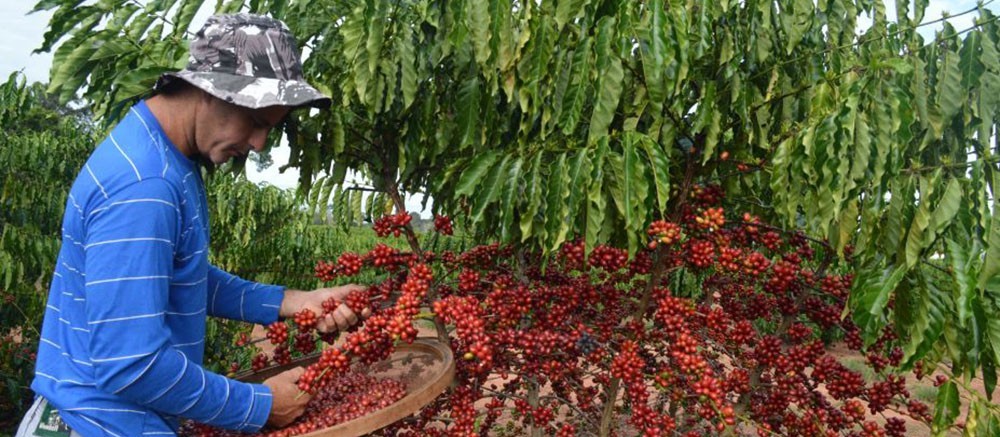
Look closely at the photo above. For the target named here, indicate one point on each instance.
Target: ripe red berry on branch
(277, 332)
(442, 224)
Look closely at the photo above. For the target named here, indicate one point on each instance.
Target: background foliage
(33, 189)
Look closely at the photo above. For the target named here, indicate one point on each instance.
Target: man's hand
(285, 408)
(340, 319)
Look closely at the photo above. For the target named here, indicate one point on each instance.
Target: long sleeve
(129, 250)
(235, 298)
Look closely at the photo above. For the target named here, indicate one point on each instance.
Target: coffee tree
(542, 124)
(35, 130)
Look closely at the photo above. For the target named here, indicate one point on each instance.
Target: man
(123, 338)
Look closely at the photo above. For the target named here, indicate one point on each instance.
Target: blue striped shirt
(124, 332)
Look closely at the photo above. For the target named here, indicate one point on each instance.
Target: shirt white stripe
(189, 344)
(188, 284)
(119, 319)
(128, 240)
(126, 202)
(140, 374)
(127, 357)
(179, 377)
(270, 306)
(71, 239)
(53, 308)
(128, 278)
(200, 390)
(194, 313)
(110, 410)
(75, 205)
(79, 361)
(50, 342)
(57, 274)
(99, 426)
(119, 147)
(253, 400)
(105, 193)
(192, 255)
(81, 330)
(155, 140)
(44, 375)
(73, 270)
(225, 401)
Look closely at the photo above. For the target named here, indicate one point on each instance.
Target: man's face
(224, 131)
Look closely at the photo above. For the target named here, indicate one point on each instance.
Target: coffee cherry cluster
(259, 362)
(391, 224)
(348, 396)
(305, 320)
(467, 316)
(608, 258)
(711, 219)
(277, 332)
(442, 224)
(663, 232)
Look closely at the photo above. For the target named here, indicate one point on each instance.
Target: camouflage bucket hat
(250, 61)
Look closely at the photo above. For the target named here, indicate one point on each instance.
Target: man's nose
(258, 140)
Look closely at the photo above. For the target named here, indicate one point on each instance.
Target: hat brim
(252, 92)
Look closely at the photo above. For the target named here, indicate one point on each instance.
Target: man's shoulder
(134, 151)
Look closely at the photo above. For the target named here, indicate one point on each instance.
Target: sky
(26, 32)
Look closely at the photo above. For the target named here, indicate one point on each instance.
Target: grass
(859, 365)
(925, 393)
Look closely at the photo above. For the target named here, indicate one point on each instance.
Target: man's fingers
(294, 374)
(339, 318)
(327, 324)
(342, 291)
(367, 312)
(349, 315)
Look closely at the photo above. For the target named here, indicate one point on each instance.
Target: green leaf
(139, 81)
(533, 197)
(659, 163)
(407, 65)
(964, 288)
(356, 213)
(339, 172)
(915, 243)
(950, 97)
(579, 178)
(969, 65)
(557, 218)
(869, 298)
(568, 10)
(992, 260)
(609, 88)
(946, 210)
(478, 15)
(797, 22)
(596, 203)
(488, 191)
(946, 407)
(511, 190)
(928, 319)
(468, 113)
(576, 93)
(186, 13)
(376, 35)
(474, 173)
